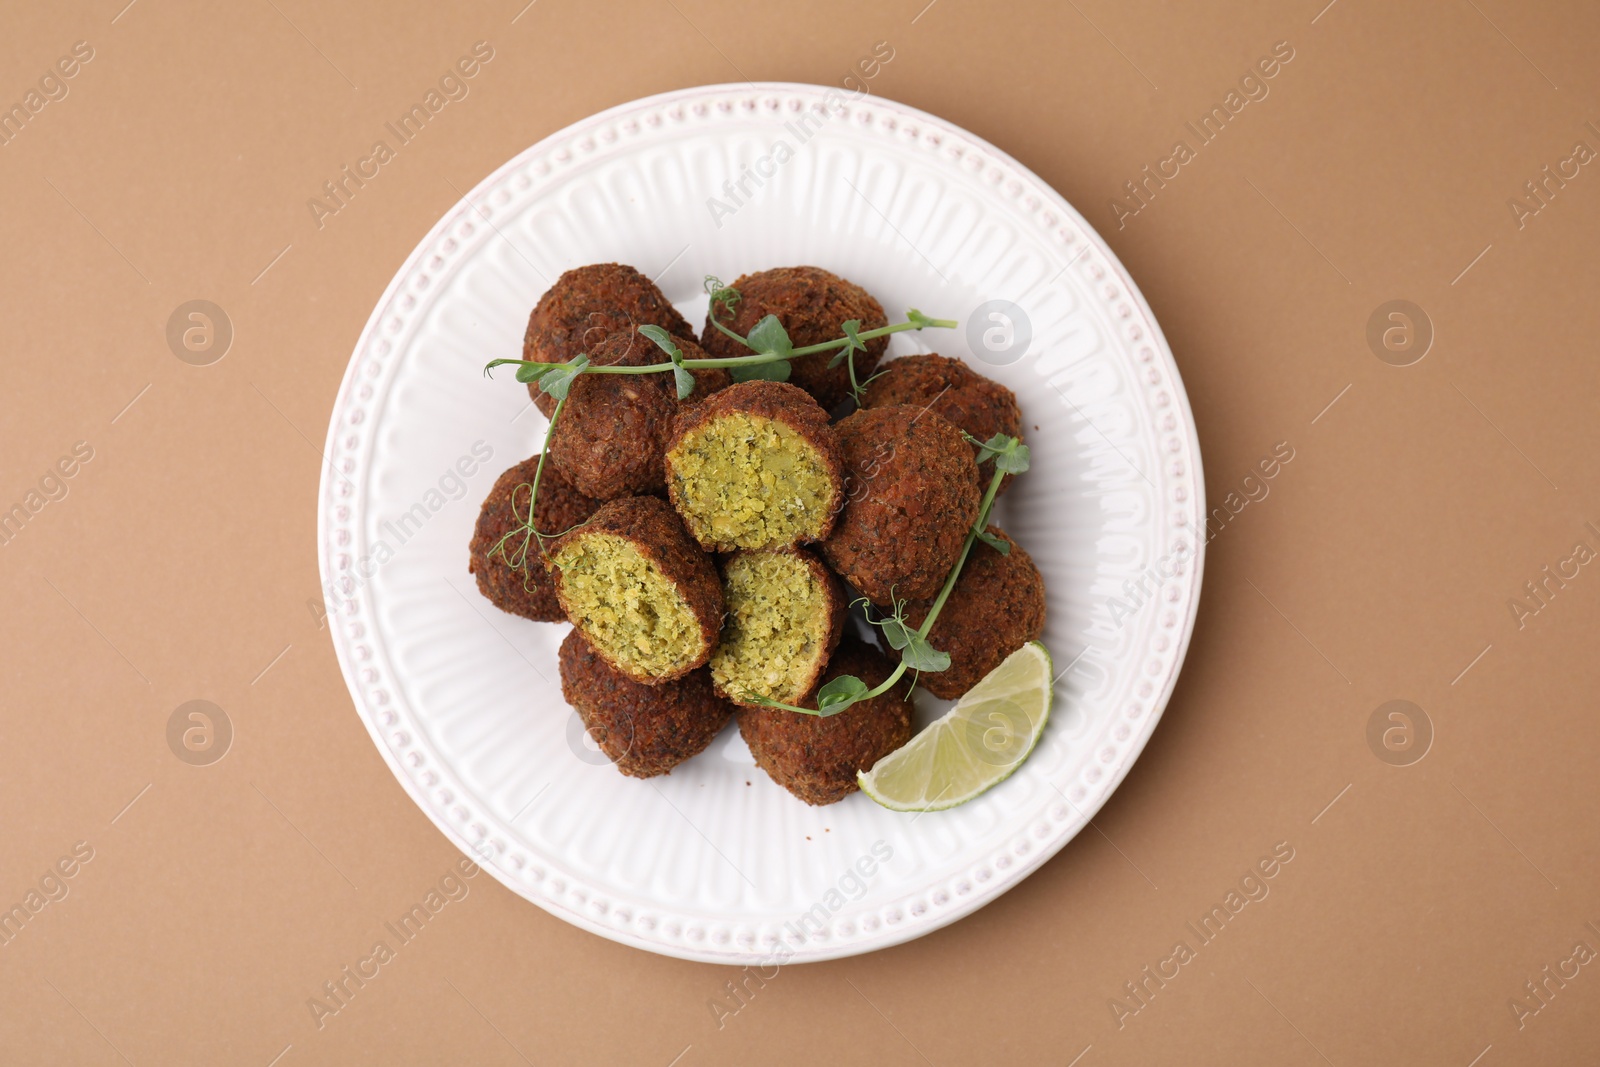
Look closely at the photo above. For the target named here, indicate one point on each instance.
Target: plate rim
(834, 947)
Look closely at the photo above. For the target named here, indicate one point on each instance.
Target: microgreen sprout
(1008, 454)
(517, 558)
(915, 651)
(853, 344)
(680, 374)
(768, 342)
(529, 527)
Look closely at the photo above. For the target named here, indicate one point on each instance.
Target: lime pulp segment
(975, 746)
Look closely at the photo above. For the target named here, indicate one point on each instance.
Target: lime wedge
(975, 746)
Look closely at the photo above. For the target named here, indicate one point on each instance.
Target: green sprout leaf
(684, 380)
(1009, 454)
(840, 693)
(921, 656)
(775, 371)
(680, 374)
(895, 630)
(915, 651)
(1013, 460)
(663, 341)
(853, 343)
(770, 338)
(999, 544)
(897, 633)
(557, 381)
(987, 449)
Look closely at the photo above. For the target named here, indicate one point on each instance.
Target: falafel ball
(980, 406)
(614, 427)
(995, 607)
(815, 757)
(785, 615)
(640, 590)
(584, 307)
(911, 496)
(504, 553)
(645, 730)
(755, 465)
(813, 304)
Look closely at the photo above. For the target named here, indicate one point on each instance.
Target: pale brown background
(182, 561)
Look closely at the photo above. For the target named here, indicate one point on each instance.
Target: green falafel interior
(782, 624)
(630, 611)
(747, 481)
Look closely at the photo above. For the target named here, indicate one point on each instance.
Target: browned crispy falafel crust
(996, 607)
(645, 730)
(614, 427)
(524, 590)
(911, 497)
(815, 757)
(584, 307)
(756, 403)
(968, 401)
(813, 304)
(786, 614)
(662, 638)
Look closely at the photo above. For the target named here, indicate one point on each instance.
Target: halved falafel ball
(755, 465)
(815, 757)
(504, 552)
(996, 607)
(645, 730)
(911, 496)
(641, 592)
(614, 427)
(785, 615)
(813, 304)
(584, 307)
(968, 401)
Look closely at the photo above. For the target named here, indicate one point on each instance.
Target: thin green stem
(766, 357)
(881, 331)
(538, 472)
(728, 330)
(978, 527)
(726, 361)
(773, 357)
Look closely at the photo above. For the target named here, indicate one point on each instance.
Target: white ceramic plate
(715, 862)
